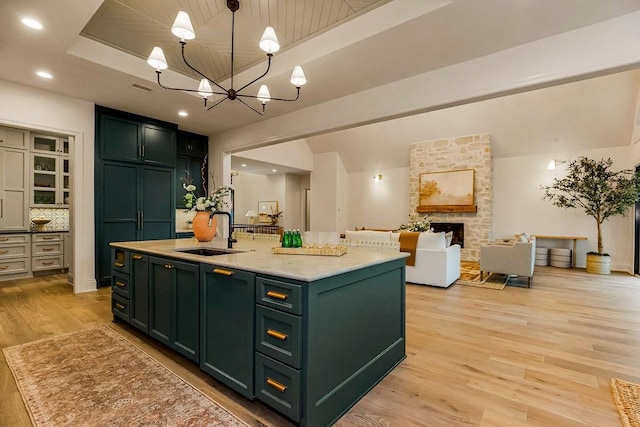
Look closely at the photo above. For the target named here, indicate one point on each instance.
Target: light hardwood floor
(475, 357)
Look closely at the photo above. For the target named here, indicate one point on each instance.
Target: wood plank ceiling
(136, 26)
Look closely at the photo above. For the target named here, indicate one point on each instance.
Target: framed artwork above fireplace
(447, 191)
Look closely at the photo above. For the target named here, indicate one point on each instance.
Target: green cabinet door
(174, 305)
(157, 204)
(119, 138)
(227, 315)
(158, 146)
(139, 294)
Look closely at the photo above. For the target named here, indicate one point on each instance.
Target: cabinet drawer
(120, 260)
(47, 237)
(120, 307)
(280, 295)
(53, 248)
(14, 266)
(9, 239)
(14, 251)
(46, 263)
(278, 386)
(120, 284)
(278, 335)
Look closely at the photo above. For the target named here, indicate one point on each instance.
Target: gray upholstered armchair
(514, 258)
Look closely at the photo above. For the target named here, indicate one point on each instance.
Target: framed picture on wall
(447, 191)
(266, 208)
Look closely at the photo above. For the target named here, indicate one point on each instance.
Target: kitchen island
(307, 335)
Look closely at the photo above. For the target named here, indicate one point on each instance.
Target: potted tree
(600, 192)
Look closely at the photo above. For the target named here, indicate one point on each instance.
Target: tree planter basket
(598, 264)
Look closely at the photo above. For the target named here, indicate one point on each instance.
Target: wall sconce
(234, 173)
(553, 163)
(251, 214)
(377, 178)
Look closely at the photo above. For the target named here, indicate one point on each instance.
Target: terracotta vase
(202, 230)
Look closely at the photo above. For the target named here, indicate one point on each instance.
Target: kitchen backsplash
(59, 217)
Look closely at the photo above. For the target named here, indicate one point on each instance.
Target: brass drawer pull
(3, 267)
(4, 252)
(47, 263)
(4, 239)
(276, 334)
(47, 249)
(275, 384)
(121, 284)
(169, 266)
(119, 264)
(137, 257)
(120, 306)
(277, 295)
(47, 237)
(223, 272)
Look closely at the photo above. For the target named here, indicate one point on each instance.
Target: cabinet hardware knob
(119, 264)
(137, 257)
(4, 252)
(275, 384)
(47, 249)
(223, 272)
(169, 266)
(277, 295)
(276, 334)
(120, 306)
(4, 239)
(47, 263)
(121, 284)
(3, 267)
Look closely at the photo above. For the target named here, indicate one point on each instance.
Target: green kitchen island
(307, 335)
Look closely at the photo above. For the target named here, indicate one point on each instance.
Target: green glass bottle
(286, 239)
(298, 239)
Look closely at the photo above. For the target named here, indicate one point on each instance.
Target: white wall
(36, 109)
(251, 188)
(383, 204)
(329, 193)
(295, 154)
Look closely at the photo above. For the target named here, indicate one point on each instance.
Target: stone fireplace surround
(465, 152)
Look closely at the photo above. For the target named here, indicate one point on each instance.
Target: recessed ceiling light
(244, 165)
(182, 113)
(274, 170)
(44, 74)
(32, 23)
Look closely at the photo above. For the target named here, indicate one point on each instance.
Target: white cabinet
(47, 251)
(15, 138)
(14, 187)
(49, 171)
(68, 254)
(15, 256)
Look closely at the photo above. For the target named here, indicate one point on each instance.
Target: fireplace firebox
(456, 227)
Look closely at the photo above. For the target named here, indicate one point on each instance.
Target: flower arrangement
(417, 223)
(214, 202)
(273, 216)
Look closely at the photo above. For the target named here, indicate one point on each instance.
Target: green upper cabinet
(130, 138)
(190, 160)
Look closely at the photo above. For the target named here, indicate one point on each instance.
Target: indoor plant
(421, 224)
(600, 192)
(204, 222)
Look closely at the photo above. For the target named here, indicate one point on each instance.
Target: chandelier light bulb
(204, 89)
(182, 27)
(269, 41)
(157, 59)
(263, 94)
(297, 77)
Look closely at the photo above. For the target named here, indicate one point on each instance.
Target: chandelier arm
(272, 98)
(217, 103)
(184, 59)
(186, 90)
(269, 56)
(261, 113)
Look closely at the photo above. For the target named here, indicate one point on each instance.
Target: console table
(575, 242)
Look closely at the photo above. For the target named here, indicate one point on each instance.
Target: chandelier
(183, 29)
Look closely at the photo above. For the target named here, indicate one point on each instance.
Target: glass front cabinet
(49, 171)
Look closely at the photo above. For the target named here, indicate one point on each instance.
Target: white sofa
(437, 264)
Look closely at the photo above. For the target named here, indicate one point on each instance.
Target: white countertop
(256, 256)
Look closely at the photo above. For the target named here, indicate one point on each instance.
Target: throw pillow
(448, 237)
(524, 238)
(432, 241)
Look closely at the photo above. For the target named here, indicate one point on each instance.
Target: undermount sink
(207, 251)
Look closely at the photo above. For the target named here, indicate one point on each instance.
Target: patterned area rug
(470, 276)
(94, 377)
(627, 398)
